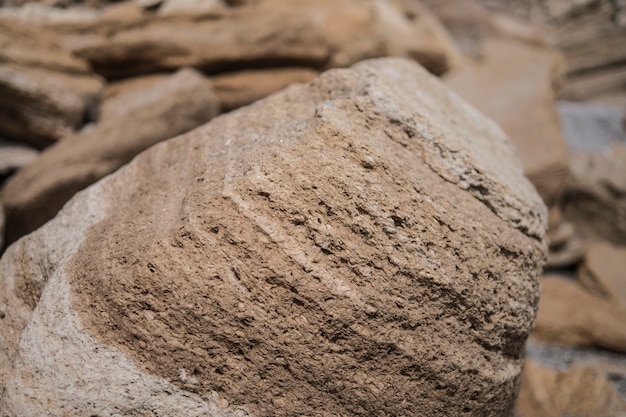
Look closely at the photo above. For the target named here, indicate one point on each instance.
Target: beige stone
(46, 92)
(603, 272)
(365, 244)
(514, 85)
(142, 118)
(273, 33)
(594, 198)
(244, 87)
(570, 315)
(14, 156)
(578, 391)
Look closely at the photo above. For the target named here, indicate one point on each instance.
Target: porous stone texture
(138, 120)
(45, 93)
(365, 244)
(514, 85)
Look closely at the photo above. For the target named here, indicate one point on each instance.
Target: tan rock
(572, 316)
(514, 85)
(603, 272)
(35, 194)
(274, 33)
(362, 245)
(591, 36)
(46, 93)
(14, 156)
(594, 199)
(244, 87)
(579, 391)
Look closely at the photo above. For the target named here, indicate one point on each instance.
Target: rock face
(362, 245)
(14, 156)
(45, 92)
(136, 121)
(514, 85)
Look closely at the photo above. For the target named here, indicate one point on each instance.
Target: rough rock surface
(603, 272)
(579, 391)
(363, 245)
(569, 315)
(274, 33)
(140, 119)
(45, 93)
(514, 85)
(592, 127)
(594, 200)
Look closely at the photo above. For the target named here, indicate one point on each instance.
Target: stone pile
(363, 242)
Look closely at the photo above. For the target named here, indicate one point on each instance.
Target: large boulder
(366, 244)
(138, 120)
(46, 93)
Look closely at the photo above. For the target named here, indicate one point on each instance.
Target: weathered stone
(173, 7)
(592, 41)
(572, 316)
(274, 33)
(45, 92)
(513, 84)
(14, 156)
(362, 245)
(242, 88)
(579, 391)
(145, 117)
(603, 272)
(594, 199)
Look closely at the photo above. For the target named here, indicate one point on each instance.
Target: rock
(591, 127)
(513, 84)
(172, 7)
(145, 117)
(579, 391)
(14, 156)
(274, 33)
(570, 315)
(592, 41)
(365, 244)
(242, 88)
(568, 250)
(602, 272)
(39, 13)
(594, 199)
(46, 93)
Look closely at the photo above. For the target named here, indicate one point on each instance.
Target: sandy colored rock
(362, 245)
(514, 85)
(603, 272)
(594, 199)
(242, 88)
(579, 391)
(14, 156)
(144, 117)
(572, 316)
(46, 92)
(273, 33)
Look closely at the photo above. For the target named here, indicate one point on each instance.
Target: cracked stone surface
(365, 244)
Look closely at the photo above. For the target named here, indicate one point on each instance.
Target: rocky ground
(278, 208)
